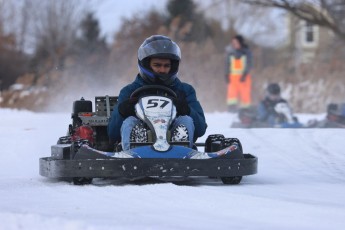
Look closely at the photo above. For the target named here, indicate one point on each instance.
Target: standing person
(238, 66)
(158, 62)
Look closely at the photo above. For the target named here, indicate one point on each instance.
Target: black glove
(243, 78)
(182, 107)
(126, 108)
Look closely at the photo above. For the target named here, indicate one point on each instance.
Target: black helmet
(273, 89)
(158, 46)
(336, 109)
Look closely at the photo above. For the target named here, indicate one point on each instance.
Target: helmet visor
(160, 48)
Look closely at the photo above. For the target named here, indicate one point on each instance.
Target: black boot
(232, 108)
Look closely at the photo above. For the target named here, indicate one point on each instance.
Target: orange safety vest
(238, 65)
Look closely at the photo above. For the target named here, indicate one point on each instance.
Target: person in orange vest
(238, 65)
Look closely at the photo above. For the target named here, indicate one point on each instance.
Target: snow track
(300, 184)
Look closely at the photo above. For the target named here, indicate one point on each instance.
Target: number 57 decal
(152, 103)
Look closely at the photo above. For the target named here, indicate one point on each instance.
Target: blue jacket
(196, 111)
(267, 113)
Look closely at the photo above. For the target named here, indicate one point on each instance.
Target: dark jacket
(196, 111)
(267, 113)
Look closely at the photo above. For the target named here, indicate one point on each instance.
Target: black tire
(82, 180)
(231, 180)
(237, 154)
(214, 143)
(80, 106)
(229, 141)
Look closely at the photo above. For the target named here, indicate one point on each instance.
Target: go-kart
(335, 117)
(282, 112)
(86, 152)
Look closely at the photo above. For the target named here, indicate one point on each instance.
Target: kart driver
(275, 110)
(158, 62)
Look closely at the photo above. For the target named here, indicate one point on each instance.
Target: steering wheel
(153, 90)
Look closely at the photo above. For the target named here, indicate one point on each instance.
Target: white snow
(17, 86)
(300, 184)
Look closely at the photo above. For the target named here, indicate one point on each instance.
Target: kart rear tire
(214, 142)
(82, 105)
(229, 141)
(78, 107)
(231, 180)
(82, 180)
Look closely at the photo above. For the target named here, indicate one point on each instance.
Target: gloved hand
(182, 107)
(126, 108)
(243, 78)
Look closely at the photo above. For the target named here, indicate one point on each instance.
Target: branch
(322, 12)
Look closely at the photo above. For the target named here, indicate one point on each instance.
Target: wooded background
(52, 52)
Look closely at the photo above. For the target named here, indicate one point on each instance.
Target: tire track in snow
(296, 152)
(329, 161)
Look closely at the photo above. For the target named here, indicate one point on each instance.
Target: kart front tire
(82, 180)
(231, 180)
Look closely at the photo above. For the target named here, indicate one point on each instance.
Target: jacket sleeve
(196, 111)
(116, 120)
(227, 66)
(249, 62)
(262, 113)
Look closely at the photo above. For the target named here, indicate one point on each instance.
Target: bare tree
(326, 13)
(53, 26)
(13, 62)
(255, 23)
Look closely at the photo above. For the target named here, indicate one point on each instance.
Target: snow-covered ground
(300, 184)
